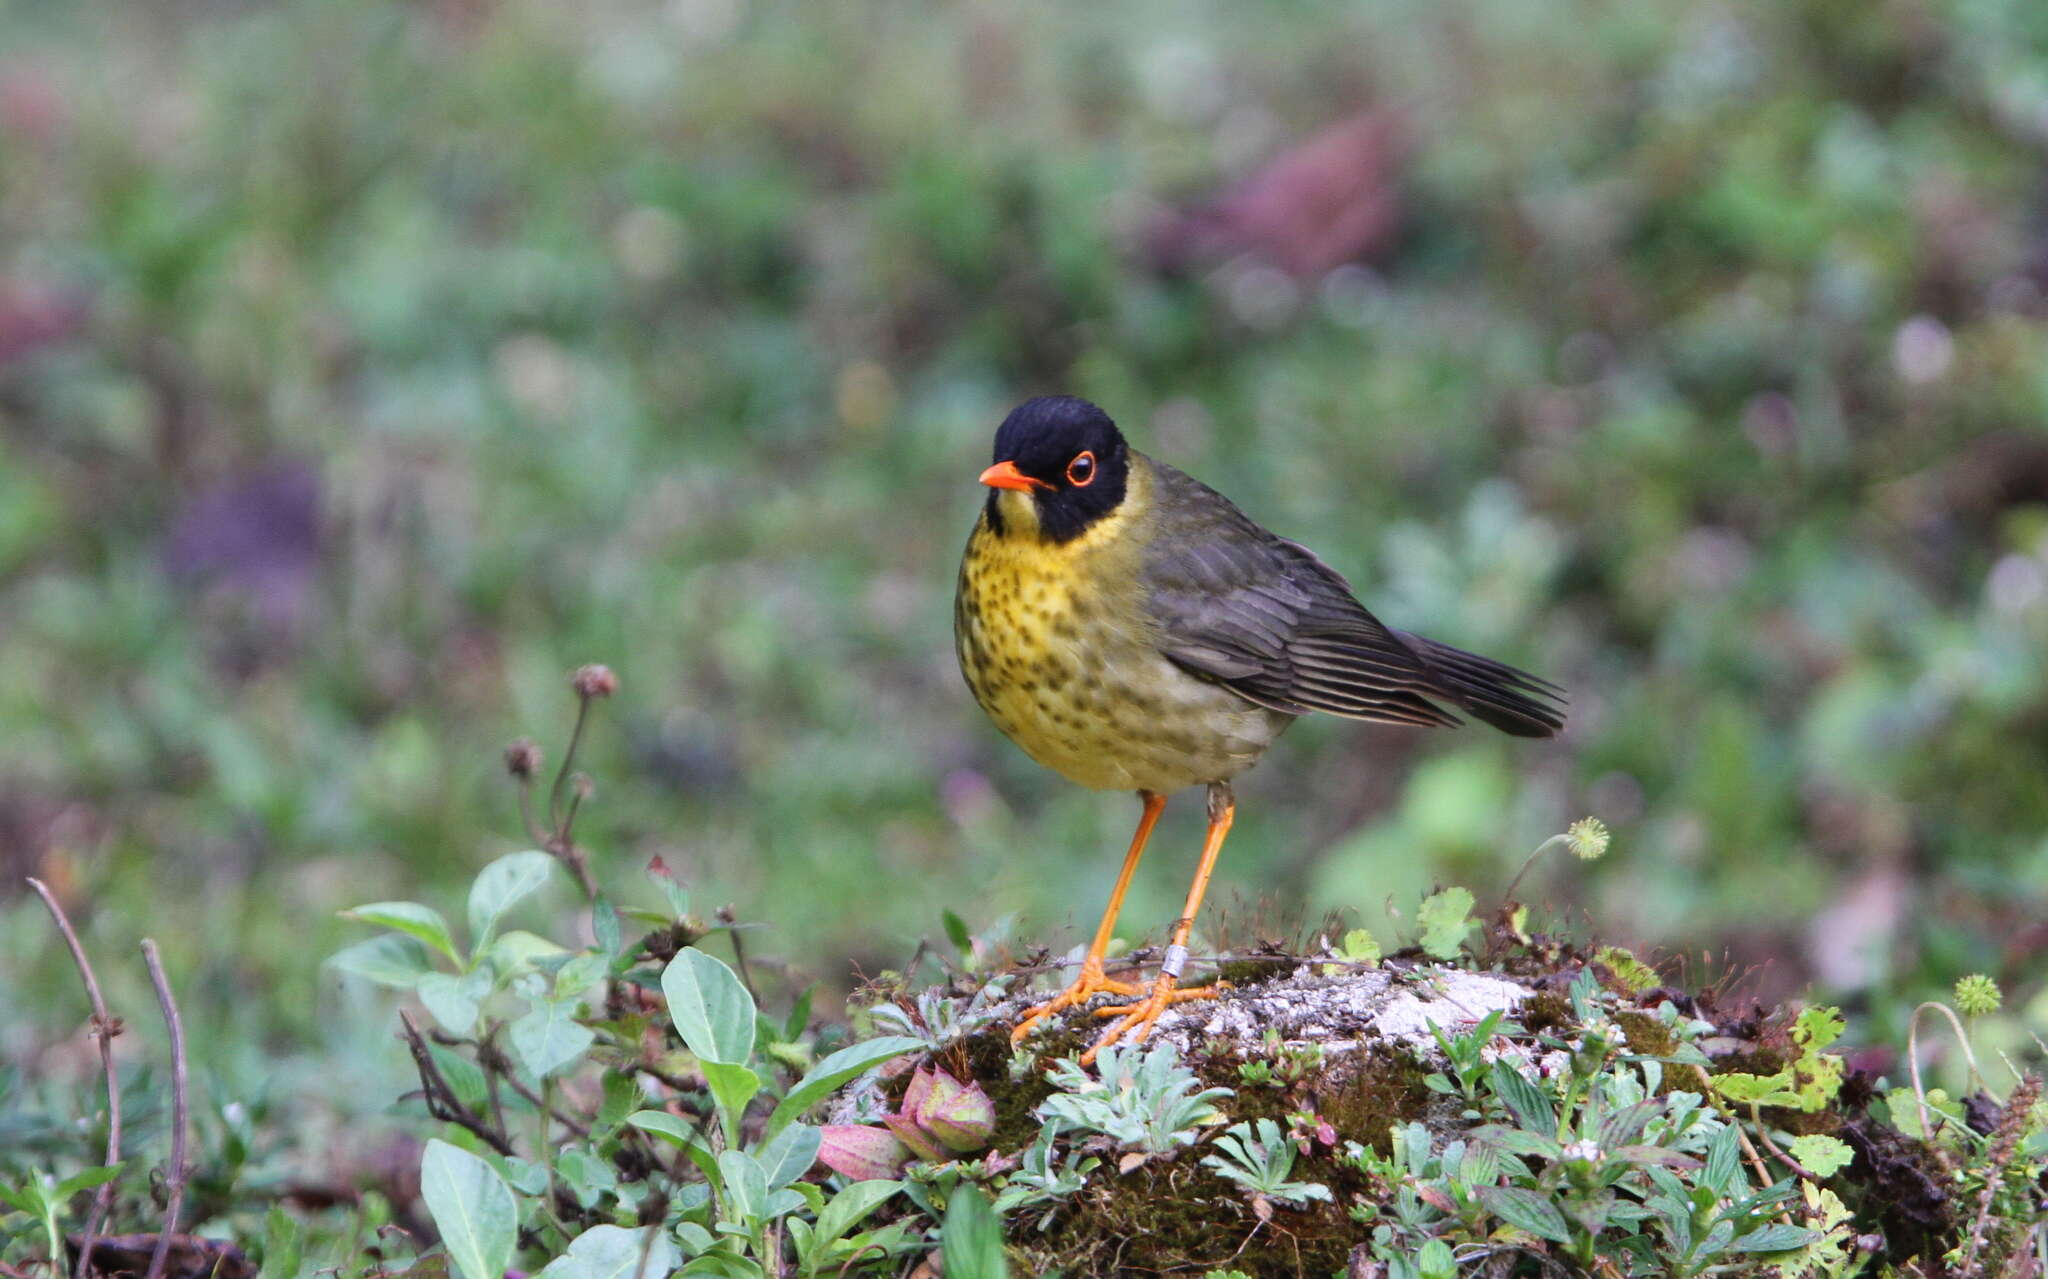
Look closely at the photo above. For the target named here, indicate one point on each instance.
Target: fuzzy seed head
(1977, 995)
(522, 758)
(594, 681)
(1588, 838)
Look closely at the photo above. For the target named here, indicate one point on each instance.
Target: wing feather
(1263, 616)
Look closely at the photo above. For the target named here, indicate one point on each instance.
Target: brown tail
(1511, 700)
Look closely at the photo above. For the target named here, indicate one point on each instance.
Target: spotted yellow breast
(1054, 641)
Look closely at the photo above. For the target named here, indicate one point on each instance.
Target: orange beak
(1005, 475)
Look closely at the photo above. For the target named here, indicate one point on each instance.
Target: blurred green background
(366, 367)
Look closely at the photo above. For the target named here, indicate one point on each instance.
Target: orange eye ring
(1081, 471)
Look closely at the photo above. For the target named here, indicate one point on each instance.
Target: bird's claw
(1136, 1020)
(1088, 985)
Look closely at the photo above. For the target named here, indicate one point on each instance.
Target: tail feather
(1513, 701)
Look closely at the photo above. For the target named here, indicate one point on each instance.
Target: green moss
(1646, 1033)
(1177, 1216)
(985, 1057)
(1546, 1010)
(1386, 1090)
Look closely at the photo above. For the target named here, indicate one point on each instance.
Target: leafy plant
(1260, 1158)
(1140, 1099)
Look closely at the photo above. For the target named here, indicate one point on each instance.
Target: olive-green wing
(1265, 617)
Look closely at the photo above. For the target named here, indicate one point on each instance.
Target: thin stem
(1913, 1061)
(526, 819)
(726, 916)
(1756, 1116)
(497, 1064)
(104, 1028)
(442, 1103)
(568, 762)
(175, 1179)
(1508, 894)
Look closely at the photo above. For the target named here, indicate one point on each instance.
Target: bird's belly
(1089, 696)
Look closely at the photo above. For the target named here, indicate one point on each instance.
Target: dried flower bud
(594, 681)
(960, 1115)
(1588, 837)
(522, 758)
(860, 1152)
(1977, 995)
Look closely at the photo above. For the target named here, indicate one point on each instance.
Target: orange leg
(1136, 1019)
(1092, 982)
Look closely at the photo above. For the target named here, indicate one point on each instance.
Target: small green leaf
(549, 1037)
(676, 1132)
(1623, 1126)
(1816, 1028)
(1779, 1237)
(1445, 918)
(733, 1087)
(473, 1209)
(615, 1252)
(711, 1008)
(580, 974)
(85, 1180)
(28, 1197)
(1526, 1210)
(1821, 1155)
(799, 1015)
(1722, 1167)
(745, 1185)
(1361, 947)
(464, 1076)
(423, 922)
(1434, 1261)
(605, 926)
(454, 1001)
(283, 1245)
(1530, 1107)
(1742, 1088)
(621, 1096)
(671, 888)
(789, 1154)
(851, 1206)
(502, 885)
(836, 1069)
(391, 959)
(519, 951)
(973, 1239)
(956, 932)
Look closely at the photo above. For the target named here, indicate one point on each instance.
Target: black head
(1067, 456)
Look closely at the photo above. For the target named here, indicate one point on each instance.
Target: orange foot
(1087, 986)
(1136, 1019)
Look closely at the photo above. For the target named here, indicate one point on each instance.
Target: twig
(2005, 1141)
(725, 915)
(1749, 1151)
(583, 701)
(526, 818)
(175, 1178)
(646, 1249)
(497, 1063)
(1800, 1170)
(442, 1103)
(104, 1028)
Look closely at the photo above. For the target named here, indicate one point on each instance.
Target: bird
(1131, 629)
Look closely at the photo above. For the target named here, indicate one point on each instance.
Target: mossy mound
(1342, 1058)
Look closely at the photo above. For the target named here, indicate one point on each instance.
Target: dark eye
(1081, 471)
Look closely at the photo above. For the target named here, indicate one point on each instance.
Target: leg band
(1176, 961)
